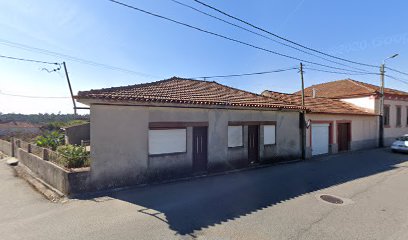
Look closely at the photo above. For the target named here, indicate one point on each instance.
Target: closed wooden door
(253, 143)
(200, 149)
(343, 136)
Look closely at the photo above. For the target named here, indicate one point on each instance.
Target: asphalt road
(277, 202)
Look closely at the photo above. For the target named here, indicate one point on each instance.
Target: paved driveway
(277, 202)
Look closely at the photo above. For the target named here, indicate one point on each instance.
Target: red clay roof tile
(319, 104)
(186, 91)
(348, 88)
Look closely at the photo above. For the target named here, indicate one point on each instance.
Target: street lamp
(382, 73)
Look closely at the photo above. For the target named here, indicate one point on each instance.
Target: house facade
(367, 97)
(178, 127)
(334, 125)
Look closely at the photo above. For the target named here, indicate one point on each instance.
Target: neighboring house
(334, 125)
(77, 134)
(367, 96)
(11, 128)
(182, 126)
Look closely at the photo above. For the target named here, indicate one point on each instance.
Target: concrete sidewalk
(277, 202)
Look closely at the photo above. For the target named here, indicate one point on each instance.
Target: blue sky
(103, 32)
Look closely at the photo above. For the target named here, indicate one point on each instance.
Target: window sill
(237, 147)
(269, 145)
(166, 154)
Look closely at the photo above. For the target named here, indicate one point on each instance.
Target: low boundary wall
(67, 181)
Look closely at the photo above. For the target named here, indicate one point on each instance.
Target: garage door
(320, 139)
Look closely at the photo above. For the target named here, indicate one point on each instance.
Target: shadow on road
(193, 205)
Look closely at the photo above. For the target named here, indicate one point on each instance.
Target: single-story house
(333, 125)
(77, 134)
(183, 126)
(367, 96)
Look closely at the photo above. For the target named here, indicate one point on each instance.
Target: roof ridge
(312, 103)
(184, 90)
(236, 89)
(306, 96)
(128, 86)
(358, 83)
(323, 83)
(151, 83)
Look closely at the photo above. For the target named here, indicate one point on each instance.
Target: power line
(28, 60)
(345, 73)
(282, 38)
(395, 70)
(247, 74)
(397, 79)
(72, 58)
(28, 96)
(261, 35)
(405, 81)
(228, 38)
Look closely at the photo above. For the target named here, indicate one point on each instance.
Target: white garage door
(320, 139)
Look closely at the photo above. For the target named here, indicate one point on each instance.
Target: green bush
(50, 140)
(72, 156)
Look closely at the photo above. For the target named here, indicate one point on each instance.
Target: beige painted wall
(364, 129)
(393, 131)
(118, 144)
(119, 139)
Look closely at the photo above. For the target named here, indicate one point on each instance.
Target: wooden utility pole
(70, 88)
(303, 115)
(303, 84)
(381, 128)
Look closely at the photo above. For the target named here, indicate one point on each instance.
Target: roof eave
(98, 101)
(345, 113)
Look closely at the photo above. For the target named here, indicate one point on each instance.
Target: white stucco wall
(119, 139)
(367, 103)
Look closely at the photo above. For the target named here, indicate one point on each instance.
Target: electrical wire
(28, 60)
(227, 38)
(345, 73)
(282, 38)
(27, 96)
(72, 58)
(261, 35)
(247, 74)
(395, 70)
(405, 81)
(397, 79)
